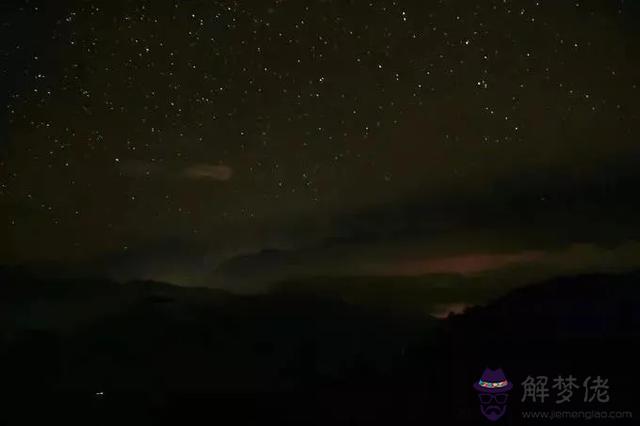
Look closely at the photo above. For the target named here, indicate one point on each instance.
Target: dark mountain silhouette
(93, 349)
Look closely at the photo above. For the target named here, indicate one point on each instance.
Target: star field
(240, 126)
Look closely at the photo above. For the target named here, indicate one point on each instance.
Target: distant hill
(110, 335)
(294, 350)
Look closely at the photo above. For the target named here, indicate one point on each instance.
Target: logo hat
(493, 381)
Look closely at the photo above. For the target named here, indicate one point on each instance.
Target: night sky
(211, 142)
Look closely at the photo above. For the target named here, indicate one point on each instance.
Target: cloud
(209, 171)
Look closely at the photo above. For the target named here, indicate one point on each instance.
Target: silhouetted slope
(582, 326)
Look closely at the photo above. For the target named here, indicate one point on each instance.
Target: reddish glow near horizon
(464, 264)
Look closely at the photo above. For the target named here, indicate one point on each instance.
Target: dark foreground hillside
(149, 353)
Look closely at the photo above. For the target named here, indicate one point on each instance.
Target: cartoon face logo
(493, 388)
